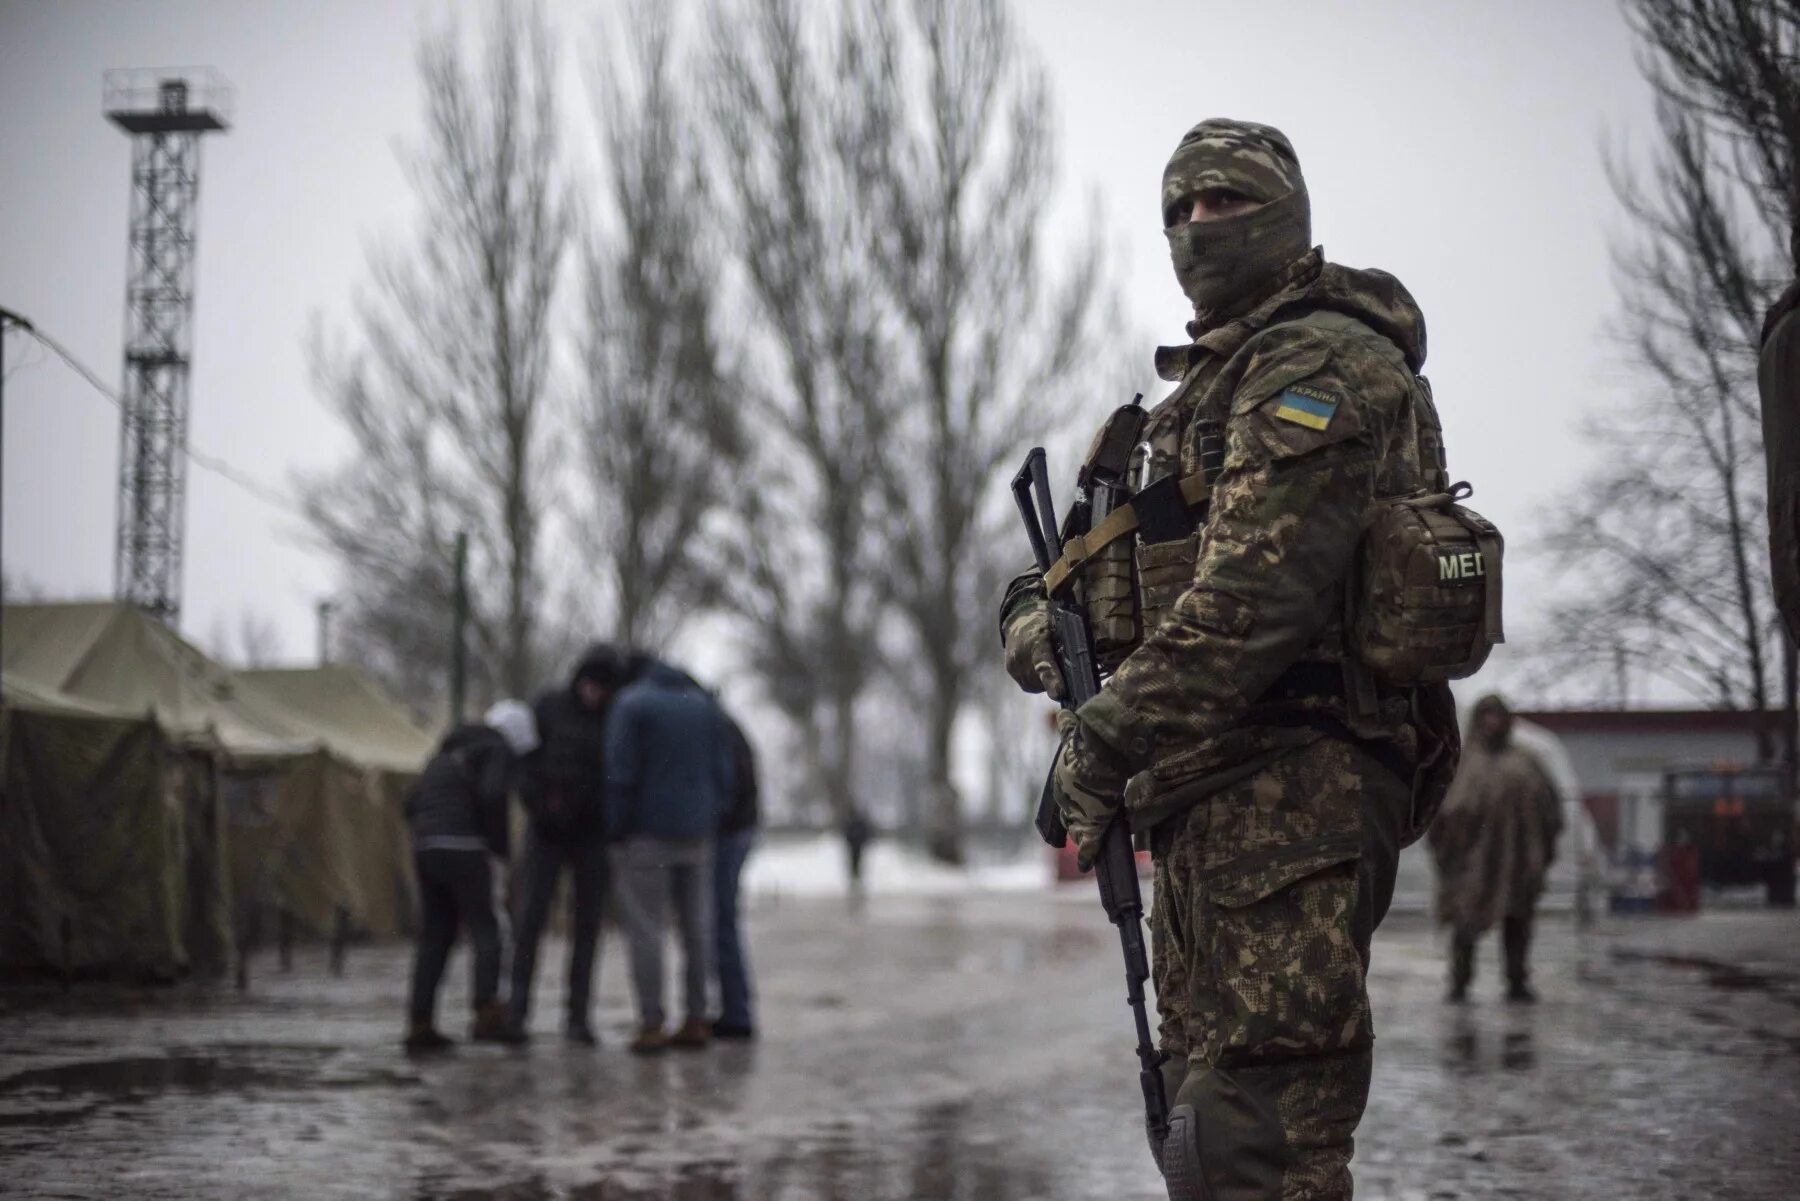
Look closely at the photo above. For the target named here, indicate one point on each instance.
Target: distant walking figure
(1494, 842)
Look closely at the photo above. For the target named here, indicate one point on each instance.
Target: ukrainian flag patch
(1311, 407)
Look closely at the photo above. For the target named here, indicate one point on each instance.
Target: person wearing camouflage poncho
(1494, 842)
(1278, 861)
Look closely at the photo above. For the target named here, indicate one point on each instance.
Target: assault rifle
(1115, 866)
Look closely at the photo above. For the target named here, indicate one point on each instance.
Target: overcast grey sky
(1452, 142)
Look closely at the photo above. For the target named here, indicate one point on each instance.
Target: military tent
(112, 853)
(350, 713)
(310, 826)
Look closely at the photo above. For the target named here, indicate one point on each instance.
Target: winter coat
(565, 787)
(1495, 837)
(459, 800)
(669, 758)
(1778, 380)
(742, 812)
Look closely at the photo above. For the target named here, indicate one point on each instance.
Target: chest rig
(1422, 602)
(1129, 568)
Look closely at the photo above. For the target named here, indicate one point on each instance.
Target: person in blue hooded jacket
(670, 772)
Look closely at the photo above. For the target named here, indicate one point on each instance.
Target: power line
(201, 459)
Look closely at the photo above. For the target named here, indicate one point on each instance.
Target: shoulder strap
(1120, 523)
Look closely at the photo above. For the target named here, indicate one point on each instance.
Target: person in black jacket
(564, 797)
(737, 835)
(457, 812)
(1778, 381)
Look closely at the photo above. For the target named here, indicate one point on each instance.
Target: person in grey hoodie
(670, 772)
(457, 812)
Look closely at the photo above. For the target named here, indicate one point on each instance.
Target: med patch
(1307, 406)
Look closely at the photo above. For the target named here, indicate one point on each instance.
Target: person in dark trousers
(859, 832)
(669, 766)
(457, 812)
(1778, 382)
(737, 836)
(564, 799)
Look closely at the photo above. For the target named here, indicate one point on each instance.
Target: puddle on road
(174, 1072)
(930, 1155)
(1721, 975)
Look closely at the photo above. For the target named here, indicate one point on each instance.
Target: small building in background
(1619, 758)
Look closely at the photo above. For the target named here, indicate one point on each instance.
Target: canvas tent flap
(343, 707)
(90, 845)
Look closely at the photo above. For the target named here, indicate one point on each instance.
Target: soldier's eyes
(1179, 213)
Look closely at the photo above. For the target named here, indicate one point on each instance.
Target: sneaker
(649, 1041)
(581, 1034)
(734, 1031)
(424, 1039)
(1521, 994)
(694, 1034)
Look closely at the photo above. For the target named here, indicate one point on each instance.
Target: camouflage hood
(1373, 297)
(1376, 299)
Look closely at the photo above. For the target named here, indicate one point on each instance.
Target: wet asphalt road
(970, 1048)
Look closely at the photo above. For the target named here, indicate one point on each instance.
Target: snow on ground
(816, 866)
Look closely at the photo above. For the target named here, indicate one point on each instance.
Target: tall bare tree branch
(446, 386)
(663, 433)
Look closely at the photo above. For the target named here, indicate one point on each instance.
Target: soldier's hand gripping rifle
(1115, 866)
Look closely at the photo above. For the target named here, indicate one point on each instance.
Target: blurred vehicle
(1739, 820)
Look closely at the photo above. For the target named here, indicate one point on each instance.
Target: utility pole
(165, 113)
(458, 632)
(324, 609)
(7, 318)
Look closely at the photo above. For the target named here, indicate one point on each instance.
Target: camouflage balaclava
(1224, 266)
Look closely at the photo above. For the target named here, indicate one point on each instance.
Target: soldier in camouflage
(1275, 806)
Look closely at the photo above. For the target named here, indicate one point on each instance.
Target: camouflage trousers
(1267, 894)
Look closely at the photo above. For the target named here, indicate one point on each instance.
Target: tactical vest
(1422, 603)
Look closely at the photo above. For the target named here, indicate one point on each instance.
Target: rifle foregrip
(1116, 867)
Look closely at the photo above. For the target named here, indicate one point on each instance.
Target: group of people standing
(635, 783)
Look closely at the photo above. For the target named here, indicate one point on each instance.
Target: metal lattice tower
(165, 112)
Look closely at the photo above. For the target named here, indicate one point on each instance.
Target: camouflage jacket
(1313, 389)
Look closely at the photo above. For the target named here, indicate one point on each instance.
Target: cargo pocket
(1288, 974)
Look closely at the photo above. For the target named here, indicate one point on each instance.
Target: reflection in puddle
(1462, 1048)
(191, 1073)
(927, 1156)
(1517, 1052)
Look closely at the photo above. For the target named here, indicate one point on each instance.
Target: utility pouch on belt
(1424, 603)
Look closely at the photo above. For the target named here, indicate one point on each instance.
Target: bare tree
(254, 642)
(447, 384)
(1665, 540)
(952, 155)
(662, 431)
(800, 562)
